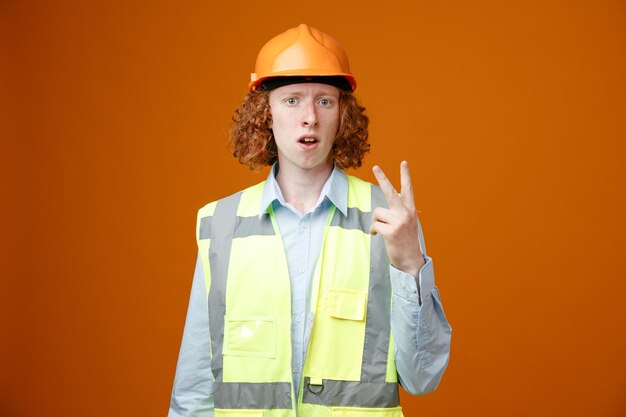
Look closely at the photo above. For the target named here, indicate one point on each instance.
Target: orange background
(114, 120)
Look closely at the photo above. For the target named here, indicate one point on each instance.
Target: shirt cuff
(408, 287)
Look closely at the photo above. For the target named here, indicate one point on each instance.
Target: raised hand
(398, 223)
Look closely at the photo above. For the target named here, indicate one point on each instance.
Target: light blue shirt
(420, 329)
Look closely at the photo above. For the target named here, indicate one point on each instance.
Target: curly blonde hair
(252, 141)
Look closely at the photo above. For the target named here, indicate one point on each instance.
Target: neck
(302, 188)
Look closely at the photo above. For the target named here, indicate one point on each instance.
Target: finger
(393, 200)
(378, 228)
(384, 215)
(406, 186)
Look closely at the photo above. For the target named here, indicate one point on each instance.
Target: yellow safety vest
(349, 369)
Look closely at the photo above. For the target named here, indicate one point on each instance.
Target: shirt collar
(335, 189)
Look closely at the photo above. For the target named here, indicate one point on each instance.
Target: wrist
(413, 267)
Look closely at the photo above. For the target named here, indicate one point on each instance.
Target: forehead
(306, 89)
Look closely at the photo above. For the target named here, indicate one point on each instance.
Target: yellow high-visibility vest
(349, 369)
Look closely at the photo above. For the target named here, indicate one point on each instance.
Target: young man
(313, 295)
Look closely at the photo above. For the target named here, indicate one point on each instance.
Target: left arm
(418, 323)
(420, 329)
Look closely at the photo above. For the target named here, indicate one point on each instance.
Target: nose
(309, 118)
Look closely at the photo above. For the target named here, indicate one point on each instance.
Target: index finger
(391, 195)
(406, 187)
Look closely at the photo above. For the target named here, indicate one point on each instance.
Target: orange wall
(114, 124)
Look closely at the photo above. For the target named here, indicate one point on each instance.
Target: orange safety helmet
(302, 52)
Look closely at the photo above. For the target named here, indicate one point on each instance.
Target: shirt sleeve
(421, 331)
(192, 394)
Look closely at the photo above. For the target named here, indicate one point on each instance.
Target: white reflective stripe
(351, 394)
(205, 227)
(356, 219)
(260, 395)
(377, 324)
(244, 227)
(252, 226)
(223, 225)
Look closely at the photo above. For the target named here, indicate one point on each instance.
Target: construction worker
(313, 294)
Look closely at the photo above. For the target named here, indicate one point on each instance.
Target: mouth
(308, 141)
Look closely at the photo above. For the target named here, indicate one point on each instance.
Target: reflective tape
(377, 324)
(356, 220)
(351, 394)
(264, 395)
(252, 226)
(219, 254)
(205, 227)
(244, 227)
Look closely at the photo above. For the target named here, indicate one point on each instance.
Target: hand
(398, 223)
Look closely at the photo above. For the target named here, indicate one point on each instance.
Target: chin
(316, 165)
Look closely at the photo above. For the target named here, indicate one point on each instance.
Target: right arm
(192, 394)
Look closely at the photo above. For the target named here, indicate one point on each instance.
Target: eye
(291, 101)
(325, 102)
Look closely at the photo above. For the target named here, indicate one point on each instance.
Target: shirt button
(413, 289)
(301, 270)
(294, 369)
(403, 285)
(299, 318)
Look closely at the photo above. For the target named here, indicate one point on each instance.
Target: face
(305, 119)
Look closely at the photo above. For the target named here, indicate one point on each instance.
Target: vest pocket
(336, 346)
(250, 336)
(220, 412)
(347, 304)
(365, 412)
